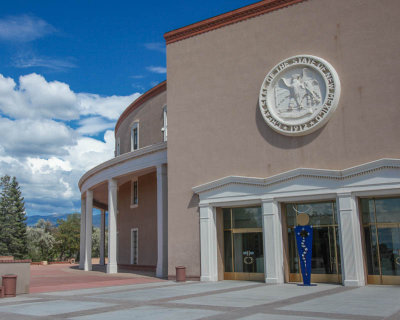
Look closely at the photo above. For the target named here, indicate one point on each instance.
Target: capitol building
(278, 109)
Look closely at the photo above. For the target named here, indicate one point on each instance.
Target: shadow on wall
(194, 201)
(279, 140)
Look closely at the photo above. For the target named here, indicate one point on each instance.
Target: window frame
(134, 204)
(164, 129)
(135, 126)
(118, 147)
(136, 232)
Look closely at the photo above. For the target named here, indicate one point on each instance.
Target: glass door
(325, 261)
(381, 225)
(243, 244)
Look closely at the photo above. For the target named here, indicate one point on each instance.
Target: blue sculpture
(304, 235)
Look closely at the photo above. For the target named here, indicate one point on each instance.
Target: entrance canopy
(343, 187)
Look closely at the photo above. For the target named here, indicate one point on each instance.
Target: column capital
(112, 184)
(161, 169)
(344, 194)
(267, 200)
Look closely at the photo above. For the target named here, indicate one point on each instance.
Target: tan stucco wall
(144, 217)
(150, 117)
(216, 129)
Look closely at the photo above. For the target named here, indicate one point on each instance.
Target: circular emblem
(248, 260)
(299, 95)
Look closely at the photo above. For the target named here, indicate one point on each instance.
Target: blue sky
(67, 71)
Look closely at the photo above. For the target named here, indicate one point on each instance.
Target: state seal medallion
(299, 95)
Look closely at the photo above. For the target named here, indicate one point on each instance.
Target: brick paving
(60, 277)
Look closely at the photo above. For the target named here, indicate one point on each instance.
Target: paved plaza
(205, 300)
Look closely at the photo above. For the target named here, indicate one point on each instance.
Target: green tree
(41, 241)
(13, 238)
(67, 237)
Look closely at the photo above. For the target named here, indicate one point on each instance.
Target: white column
(208, 244)
(102, 234)
(112, 266)
(162, 222)
(273, 247)
(88, 243)
(83, 234)
(350, 241)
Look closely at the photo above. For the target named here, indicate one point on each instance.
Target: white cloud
(23, 28)
(50, 185)
(46, 141)
(35, 97)
(156, 46)
(155, 69)
(28, 137)
(31, 61)
(108, 107)
(94, 125)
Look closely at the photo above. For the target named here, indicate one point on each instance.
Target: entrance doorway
(325, 261)
(381, 225)
(243, 244)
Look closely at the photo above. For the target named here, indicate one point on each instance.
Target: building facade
(275, 110)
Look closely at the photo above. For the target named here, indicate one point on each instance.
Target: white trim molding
(377, 178)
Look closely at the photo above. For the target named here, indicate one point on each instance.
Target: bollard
(10, 285)
(180, 274)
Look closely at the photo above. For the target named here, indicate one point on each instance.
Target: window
(164, 128)
(134, 245)
(135, 136)
(134, 193)
(118, 148)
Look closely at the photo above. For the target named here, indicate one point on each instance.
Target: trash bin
(180, 274)
(10, 285)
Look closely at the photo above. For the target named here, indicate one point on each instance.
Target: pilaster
(350, 240)
(112, 266)
(82, 234)
(162, 222)
(208, 243)
(272, 236)
(102, 236)
(88, 242)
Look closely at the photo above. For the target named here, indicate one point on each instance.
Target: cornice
(228, 18)
(161, 87)
(121, 159)
(301, 173)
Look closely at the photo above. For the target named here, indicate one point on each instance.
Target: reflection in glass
(381, 223)
(243, 240)
(247, 217)
(248, 251)
(228, 251)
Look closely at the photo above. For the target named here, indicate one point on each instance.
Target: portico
(100, 188)
(337, 190)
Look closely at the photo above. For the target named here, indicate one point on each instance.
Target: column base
(81, 266)
(273, 281)
(160, 272)
(87, 267)
(112, 268)
(207, 278)
(353, 283)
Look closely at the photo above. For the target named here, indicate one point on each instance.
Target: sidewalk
(208, 300)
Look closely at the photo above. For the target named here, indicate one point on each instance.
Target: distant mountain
(32, 220)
